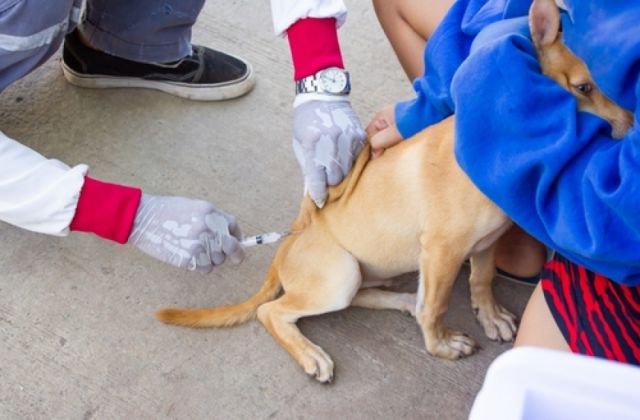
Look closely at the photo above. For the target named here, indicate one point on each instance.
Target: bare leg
(538, 328)
(520, 254)
(384, 299)
(408, 25)
(499, 324)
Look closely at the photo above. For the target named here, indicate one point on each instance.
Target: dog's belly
(374, 277)
(384, 257)
(377, 273)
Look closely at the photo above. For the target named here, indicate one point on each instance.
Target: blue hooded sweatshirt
(555, 171)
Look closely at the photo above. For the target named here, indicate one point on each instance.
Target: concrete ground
(77, 335)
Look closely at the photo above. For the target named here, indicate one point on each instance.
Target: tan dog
(412, 209)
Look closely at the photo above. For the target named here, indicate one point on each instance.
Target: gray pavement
(77, 335)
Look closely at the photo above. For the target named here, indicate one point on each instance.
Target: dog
(411, 209)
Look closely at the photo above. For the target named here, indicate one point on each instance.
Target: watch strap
(308, 84)
(311, 84)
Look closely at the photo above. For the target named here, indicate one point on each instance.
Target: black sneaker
(205, 75)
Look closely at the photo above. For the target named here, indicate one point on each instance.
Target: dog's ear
(544, 22)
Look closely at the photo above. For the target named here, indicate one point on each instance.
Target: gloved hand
(327, 137)
(190, 234)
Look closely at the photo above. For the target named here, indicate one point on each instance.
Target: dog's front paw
(452, 345)
(499, 324)
(317, 363)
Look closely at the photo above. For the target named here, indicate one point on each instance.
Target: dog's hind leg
(499, 324)
(383, 299)
(439, 266)
(311, 288)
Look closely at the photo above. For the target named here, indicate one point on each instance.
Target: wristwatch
(332, 81)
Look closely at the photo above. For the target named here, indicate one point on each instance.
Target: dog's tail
(228, 315)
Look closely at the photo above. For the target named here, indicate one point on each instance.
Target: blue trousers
(140, 30)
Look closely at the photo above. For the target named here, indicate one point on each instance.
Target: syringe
(264, 238)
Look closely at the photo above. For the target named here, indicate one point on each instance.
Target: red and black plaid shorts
(597, 316)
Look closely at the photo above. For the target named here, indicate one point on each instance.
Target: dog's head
(560, 64)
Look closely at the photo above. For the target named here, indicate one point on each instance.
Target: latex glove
(190, 234)
(382, 131)
(327, 137)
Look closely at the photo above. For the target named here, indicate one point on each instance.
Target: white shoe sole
(195, 92)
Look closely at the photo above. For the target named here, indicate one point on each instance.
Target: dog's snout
(620, 126)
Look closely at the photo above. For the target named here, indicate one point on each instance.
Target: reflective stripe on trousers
(31, 31)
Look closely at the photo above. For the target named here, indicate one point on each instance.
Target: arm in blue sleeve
(556, 172)
(468, 22)
(444, 53)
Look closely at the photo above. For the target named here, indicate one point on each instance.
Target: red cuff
(108, 210)
(314, 46)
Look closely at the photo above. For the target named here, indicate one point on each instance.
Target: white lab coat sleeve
(36, 193)
(286, 12)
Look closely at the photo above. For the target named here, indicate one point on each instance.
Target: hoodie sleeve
(556, 172)
(447, 49)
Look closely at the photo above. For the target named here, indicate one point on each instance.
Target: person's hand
(383, 132)
(190, 234)
(327, 137)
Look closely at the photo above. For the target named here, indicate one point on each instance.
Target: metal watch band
(310, 84)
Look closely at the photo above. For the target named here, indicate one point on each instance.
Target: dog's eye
(585, 88)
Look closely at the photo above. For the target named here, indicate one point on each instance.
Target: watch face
(333, 80)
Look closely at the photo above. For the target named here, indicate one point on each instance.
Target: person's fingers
(328, 157)
(335, 174)
(234, 228)
(376, 153)
(232, 248)
(216, 222)
(196, 259)
(201, 261)
(381, 124)
(203, 268)
(212, 244)
(384, 118)
(315, 176)
(217, 257)
(235, 231)
(316, 182)
(360, 145)
(386, 138)
(377, 124)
